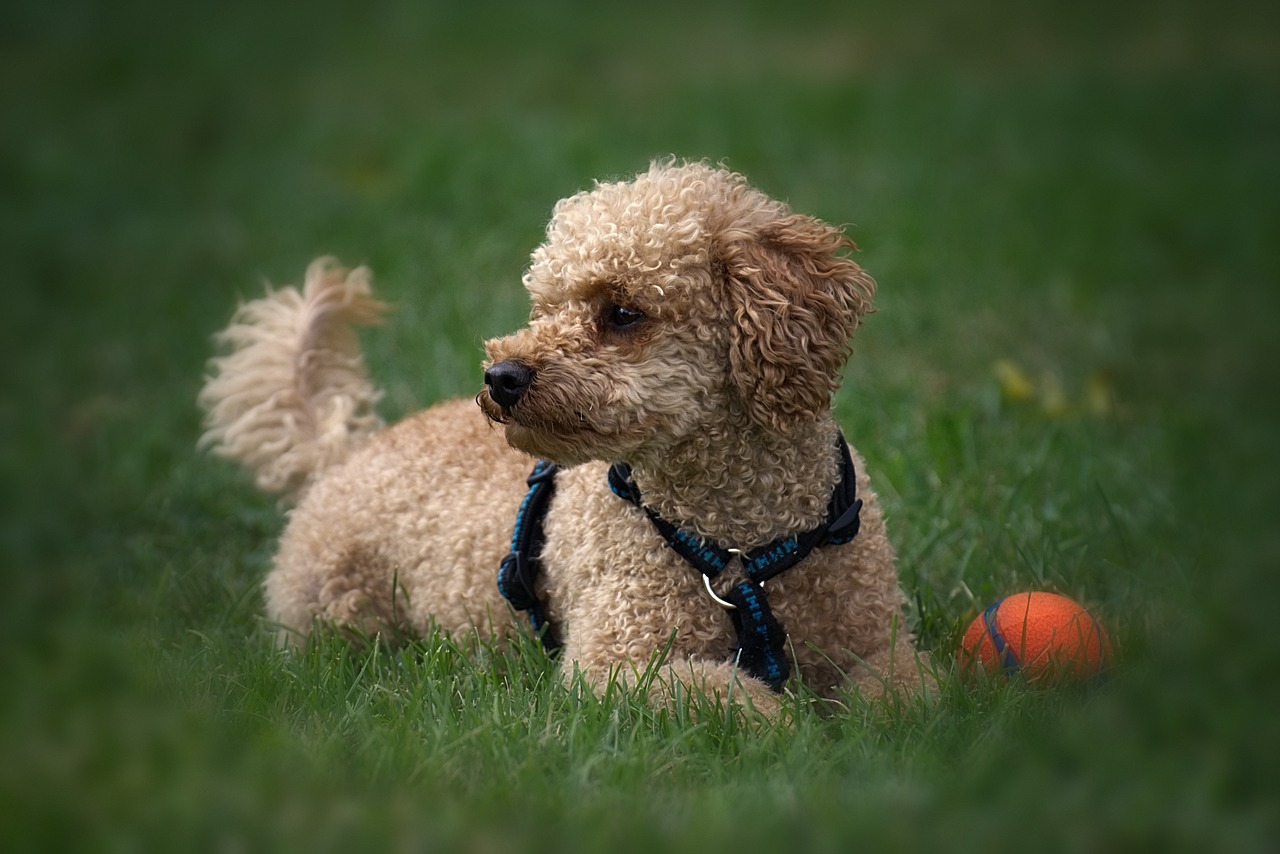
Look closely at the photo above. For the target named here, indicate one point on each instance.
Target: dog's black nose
(507, 381)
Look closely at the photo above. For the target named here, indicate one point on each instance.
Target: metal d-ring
(723, 603)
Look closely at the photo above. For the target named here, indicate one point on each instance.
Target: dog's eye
(620, 316)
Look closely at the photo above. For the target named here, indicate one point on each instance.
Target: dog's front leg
(720, 683)
(669, 679)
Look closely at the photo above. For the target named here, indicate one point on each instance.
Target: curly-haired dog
(685, 327)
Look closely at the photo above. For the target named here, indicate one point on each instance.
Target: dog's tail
(292, 396)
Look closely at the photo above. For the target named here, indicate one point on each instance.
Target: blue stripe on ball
(1007, 657)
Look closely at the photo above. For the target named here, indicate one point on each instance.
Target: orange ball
(1045, 636)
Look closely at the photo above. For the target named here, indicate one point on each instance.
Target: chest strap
(519, 570)
(761, 648)
(761, 641)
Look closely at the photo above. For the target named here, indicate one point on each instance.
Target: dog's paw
(707, 687)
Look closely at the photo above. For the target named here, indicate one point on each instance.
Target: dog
(675, 379)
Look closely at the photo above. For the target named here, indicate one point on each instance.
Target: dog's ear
(793, 299)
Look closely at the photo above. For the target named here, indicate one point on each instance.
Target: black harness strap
(761, 647)
(519, 570)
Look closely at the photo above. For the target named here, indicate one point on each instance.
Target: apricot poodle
(704, 519)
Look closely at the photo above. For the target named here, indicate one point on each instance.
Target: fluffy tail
(292, 396)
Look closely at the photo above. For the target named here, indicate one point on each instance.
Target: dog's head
(680, 298)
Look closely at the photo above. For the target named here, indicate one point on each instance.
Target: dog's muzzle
(507, 382)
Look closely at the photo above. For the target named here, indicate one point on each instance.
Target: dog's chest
(607, 569)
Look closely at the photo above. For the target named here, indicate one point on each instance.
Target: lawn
(1070, 384)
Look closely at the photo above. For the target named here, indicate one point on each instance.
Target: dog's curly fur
(682, 322)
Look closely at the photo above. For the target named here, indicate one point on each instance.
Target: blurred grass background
(1083, 194)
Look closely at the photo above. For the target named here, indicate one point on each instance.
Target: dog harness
(518, 572)
(761, 639)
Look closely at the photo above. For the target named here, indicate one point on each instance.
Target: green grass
(1090, 194)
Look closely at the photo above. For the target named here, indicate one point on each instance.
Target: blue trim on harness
(761, 647)
(518, 573)
(761, 639)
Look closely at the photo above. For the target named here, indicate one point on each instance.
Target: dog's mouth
(559, 445)
(527, 414)
(569, 439)
(495, 413)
